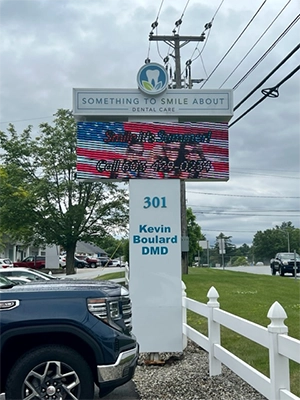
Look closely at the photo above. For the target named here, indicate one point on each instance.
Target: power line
(208, 27)
(244, 195)
(245, 214)
(231, 209)
(226, 230)
(267, 77)
(266, 52)
(188, 63)
(154, 25)
(258, 40)
(179, 21)
(234, 43)
(23, 120)
(270, 92)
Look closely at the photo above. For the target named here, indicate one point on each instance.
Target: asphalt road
(257, 269)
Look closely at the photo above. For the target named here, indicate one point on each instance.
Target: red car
(93, 262)
(34, 262)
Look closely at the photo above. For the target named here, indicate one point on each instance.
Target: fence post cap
(277, 315)
(213, 296)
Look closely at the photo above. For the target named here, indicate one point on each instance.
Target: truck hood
(107, 288)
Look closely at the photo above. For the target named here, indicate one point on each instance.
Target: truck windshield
(289, 256)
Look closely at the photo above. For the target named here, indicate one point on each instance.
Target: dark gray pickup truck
(285, 263)
(60, 337)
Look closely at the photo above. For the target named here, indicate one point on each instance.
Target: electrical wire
(244, 195)
(24, 120)
(221, 208)
(208, 27)
(245, 214)
(179, 21)
(272, 92)
(267, 52)
(234, 43)
(258, 40)
(267, 77)
(154, 25)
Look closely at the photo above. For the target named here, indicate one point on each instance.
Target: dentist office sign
(152, 79)
(153, 136)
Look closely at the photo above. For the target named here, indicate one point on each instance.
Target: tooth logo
(152, 79)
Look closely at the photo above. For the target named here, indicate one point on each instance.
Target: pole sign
(155, 264)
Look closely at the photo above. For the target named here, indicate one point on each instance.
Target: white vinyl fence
(282, 347)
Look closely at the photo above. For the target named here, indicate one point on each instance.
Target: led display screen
(152, 150)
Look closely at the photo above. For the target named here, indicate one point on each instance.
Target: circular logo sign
(152, 78)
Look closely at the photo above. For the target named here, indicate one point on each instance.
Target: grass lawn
(249, 296)
(111, 275)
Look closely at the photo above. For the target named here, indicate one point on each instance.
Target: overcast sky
(48, 47)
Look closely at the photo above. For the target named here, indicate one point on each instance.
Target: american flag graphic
(152, 150)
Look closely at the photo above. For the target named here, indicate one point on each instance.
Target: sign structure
(155, 267)
(153, 137)
(203, 105)
(155, 150)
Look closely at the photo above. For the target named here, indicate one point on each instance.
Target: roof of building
(89, 248)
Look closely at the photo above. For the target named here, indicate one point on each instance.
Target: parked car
(93, 262)
(6, 263)
(117, 263)
(105, 261)
(26, 273)
(35, 262)
(62, 261)
(60, 338)
(80, 263)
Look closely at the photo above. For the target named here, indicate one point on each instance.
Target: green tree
(47, 204)
(194, 234)
(230, 249)
(114, 247)
(239, 260)
(279, 239)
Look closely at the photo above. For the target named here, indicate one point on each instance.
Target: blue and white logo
(152, 78)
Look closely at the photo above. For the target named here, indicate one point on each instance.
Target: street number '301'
(156, 202)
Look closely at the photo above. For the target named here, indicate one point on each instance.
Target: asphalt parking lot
(125, 392)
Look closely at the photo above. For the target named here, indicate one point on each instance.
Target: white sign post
(155, 264)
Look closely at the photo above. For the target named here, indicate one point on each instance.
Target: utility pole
(176, 42)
